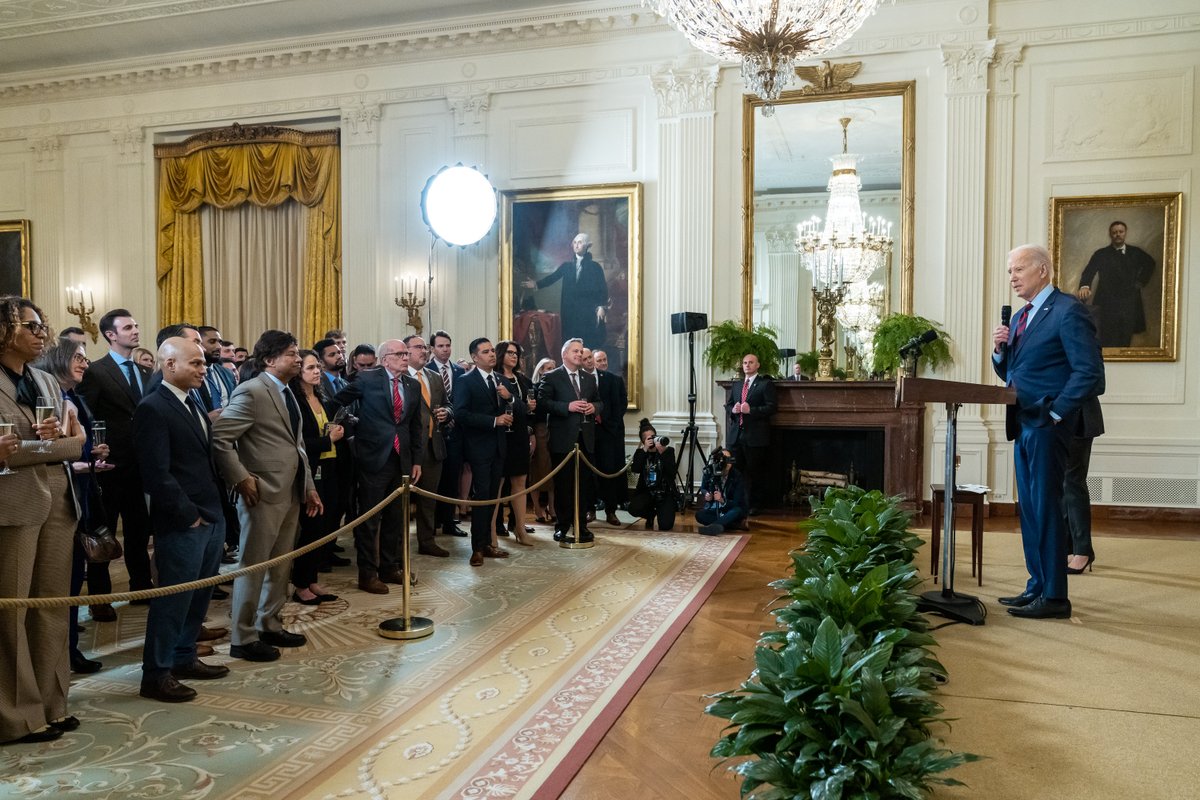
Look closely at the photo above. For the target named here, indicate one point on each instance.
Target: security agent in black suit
(386, 449)
(749, 408)
(610, 435)
(448, 372)
(571, 399)
(483, 423)
(112, 387)
(185, 495)
(584, 300)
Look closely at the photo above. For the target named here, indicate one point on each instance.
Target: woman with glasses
(37, 527)
(516, 458)
(66, 363)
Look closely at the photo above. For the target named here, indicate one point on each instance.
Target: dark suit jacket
(377, 429)
(475, 412)
(176, 460)
(108, 393)
(580, 298)
(567, 427)
(610, 434)
(755, 427)
(1054, 366)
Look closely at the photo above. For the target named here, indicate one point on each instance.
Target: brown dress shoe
(203, 650)
(432, 549)
(211, 634)
(494, 552)
(611, 518)
(477, 559)
(372, 584)
(167, 690)
(103, 613)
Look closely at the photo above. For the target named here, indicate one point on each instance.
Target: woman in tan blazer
(37, 526)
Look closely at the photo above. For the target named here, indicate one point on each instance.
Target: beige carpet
(532, 658)
(1104, 706)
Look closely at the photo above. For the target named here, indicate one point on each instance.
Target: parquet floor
(659, 747)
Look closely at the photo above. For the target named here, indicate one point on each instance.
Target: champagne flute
(99, 431)
(6, 427)
(44, 410)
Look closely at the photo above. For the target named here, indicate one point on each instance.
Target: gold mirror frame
(906, 90)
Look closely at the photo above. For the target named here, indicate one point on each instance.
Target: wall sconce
(406, 298)
(82, 310)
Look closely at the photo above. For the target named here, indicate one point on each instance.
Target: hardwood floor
(659, 746)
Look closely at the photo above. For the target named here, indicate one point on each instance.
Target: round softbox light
(459, 205)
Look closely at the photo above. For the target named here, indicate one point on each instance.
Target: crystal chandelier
(844, 250)
(767, 36)
(859, 315)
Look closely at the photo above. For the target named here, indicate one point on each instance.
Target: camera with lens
(662, 440)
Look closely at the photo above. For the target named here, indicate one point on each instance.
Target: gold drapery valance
(264, 166)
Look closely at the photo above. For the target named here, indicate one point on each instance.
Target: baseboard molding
(1142, 513)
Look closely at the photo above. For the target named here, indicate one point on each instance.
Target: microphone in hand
(1005, 318)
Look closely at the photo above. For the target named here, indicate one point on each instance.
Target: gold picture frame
(1082, 245)
(537, 227)
(15, 257)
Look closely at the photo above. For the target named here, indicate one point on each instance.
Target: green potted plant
(729, 342)
(897, 330)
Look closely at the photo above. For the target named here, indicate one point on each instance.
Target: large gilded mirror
(788, 163)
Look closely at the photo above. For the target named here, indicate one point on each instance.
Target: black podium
(958, 607)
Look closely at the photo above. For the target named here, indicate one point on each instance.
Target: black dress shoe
(312, 601)
(46, 734)
(66, 724)
(255, 651)
(84, 666)
(339, 561)
(502, 531)
(200, 671)
(219, 593)
(1043, 608)
(1023, 599)
(283, 638)
(454, 530)
(559, 536)
(103, 613)
(167, 690)
(337, 548)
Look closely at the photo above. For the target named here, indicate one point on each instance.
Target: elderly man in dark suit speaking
(389, 444)
(1051, 357)
(269, 470)
(174, 440)
(571, 398)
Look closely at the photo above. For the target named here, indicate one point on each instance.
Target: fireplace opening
(856, 453)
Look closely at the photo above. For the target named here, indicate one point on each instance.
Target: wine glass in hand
(44, 410)
(7, 443)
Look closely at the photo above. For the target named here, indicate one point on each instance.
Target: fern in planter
(729, 342)
(897, 330)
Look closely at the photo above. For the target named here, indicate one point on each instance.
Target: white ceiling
(40, 35)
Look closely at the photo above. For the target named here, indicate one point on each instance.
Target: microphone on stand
(917, 342)
(1005, 318)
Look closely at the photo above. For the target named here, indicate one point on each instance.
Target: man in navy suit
(180, 479)
(1051, 357)
(483, 422)
(750, 406)
(389, 444)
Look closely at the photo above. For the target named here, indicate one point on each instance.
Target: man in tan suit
(269, 470)
(435, 414)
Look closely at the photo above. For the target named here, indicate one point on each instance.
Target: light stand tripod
(690, 443)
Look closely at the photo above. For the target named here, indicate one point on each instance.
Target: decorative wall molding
(686, 89)
(47, 153)
(470, 114)
(1004, 68)
(967, 66)
(1132, 28)
(1119, 115)
(238, 133)
(359, 123)
(128, 141)
(31, 17)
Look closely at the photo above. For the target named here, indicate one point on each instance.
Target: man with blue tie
(1051, 356)
(333, 366)
(219, 381)
(112, 388)
(185, 495)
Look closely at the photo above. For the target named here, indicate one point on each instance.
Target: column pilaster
(130, 276)
(364, 289)
(46, 256)
(466, 309)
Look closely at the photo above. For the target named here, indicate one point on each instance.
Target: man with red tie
(389, 444)
(750, 407)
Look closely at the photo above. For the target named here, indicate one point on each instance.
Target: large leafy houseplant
(897, 330)
(839, 705)
(729, 342)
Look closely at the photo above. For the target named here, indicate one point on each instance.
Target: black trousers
(446, 515)
(1077, 501)
(486, 475)
(305, 568)
(377, 541)
(660, 508)
(564, 491)
(752, 461)
(123, 498)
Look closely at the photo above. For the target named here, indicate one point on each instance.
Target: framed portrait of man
(570, 266)
(14, 257)
(1119, 254)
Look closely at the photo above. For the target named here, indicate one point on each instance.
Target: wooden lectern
(959, 607)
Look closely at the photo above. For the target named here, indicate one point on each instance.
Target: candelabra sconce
(406, 298)
(83, 308)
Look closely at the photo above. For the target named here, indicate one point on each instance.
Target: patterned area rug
(532, 659)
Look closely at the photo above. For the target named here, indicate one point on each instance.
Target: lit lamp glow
(459, 205)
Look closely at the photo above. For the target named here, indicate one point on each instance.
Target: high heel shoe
(1079, 570)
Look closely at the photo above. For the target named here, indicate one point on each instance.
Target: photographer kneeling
(722, 495)
(654, 496)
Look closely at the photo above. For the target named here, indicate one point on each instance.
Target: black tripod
(690, 443)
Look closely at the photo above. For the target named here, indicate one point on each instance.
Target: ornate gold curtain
(265, 166)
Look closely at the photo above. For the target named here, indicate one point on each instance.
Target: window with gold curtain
(264, 166)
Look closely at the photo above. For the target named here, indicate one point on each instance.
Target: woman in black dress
(320, 439)
(516, 458)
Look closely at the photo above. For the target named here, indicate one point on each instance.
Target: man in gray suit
(269, 470)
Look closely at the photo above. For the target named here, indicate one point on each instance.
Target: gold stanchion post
(406, 626)
(576, 544)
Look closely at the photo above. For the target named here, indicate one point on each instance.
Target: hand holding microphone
(1001, 333)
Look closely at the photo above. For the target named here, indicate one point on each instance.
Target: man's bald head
(183, 363)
